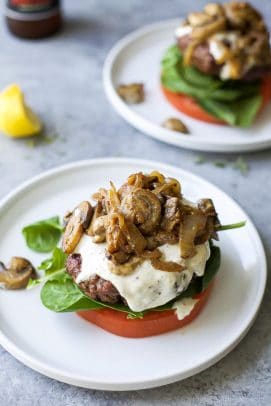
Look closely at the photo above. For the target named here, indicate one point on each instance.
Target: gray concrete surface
(61, 77)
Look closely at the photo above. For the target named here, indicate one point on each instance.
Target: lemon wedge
(16, 118)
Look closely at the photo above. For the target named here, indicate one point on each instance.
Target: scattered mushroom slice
(17, 275)
(132, 93)
(198, 19)
(175, 124)
(77, 223)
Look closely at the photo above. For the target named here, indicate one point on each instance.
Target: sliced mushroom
(96, 228)
(171, 214)
(175, 124)
(207, 207)
(143, 208)
(66, 218)
(170, 187)
(132, 93)
(205, 31)
(240, 15)
(17, 275)
(213, 9)
(198, 19)
(78, 222)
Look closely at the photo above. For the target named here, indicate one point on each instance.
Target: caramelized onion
(190, 226)
(96, 228)
(205, 31)
(151, 254)
(134, 237)
(167, 266)
(240, 15)
(147, 211)
(170, 187)
(114, 236)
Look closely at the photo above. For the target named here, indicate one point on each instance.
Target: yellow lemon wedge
(16, 118)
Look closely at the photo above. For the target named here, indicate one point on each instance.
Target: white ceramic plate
(71, 350)
(136, 58)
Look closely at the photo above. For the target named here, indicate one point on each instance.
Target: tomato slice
(153, 323)
(189, 106)
(266, 91)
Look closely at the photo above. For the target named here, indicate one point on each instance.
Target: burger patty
(206, 63)
(96, 287)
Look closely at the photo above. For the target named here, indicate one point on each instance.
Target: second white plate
(137, 58)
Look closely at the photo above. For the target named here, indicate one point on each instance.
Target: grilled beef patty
(205, 62)
(96, 287)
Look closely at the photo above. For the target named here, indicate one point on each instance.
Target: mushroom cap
(17, 275)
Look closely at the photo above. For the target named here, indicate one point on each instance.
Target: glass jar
(33, 18)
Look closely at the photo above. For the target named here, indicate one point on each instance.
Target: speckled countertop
(62, 79)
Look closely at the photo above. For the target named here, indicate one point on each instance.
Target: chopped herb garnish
(30, 143)
(48, 139)
(220, 163)
(241, 165)
(200, 160)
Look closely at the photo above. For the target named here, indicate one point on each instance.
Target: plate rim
(147, 127)
(83, 381)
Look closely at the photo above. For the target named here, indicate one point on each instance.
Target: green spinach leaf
(52, 267)
(43, 235)
(55, 262)
(224, 227)
(235, 102)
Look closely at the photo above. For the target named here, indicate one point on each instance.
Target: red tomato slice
(189, 106)
(153, 323)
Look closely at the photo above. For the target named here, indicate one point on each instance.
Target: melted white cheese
(218, 50)
(183, 30)
(184, 307)
(145, 287)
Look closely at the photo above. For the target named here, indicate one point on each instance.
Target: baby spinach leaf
(241, 165)
(231, 226)
(55, 262)
(52, 267)
(246, 110)
(234, 101)
(218, 109)
(43, 235)
(60, 295)
(212, 267)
